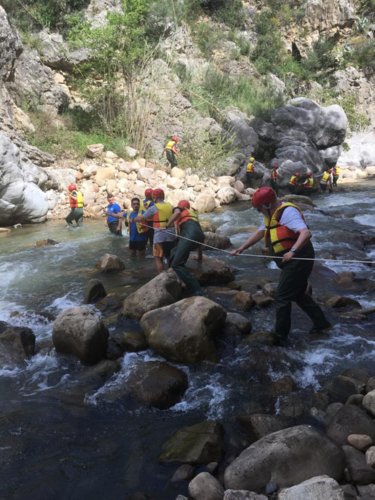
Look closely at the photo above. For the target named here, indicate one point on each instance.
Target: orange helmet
(157, 193)
(72, 187)
(183, 204)
(263, 196)
(148, 193)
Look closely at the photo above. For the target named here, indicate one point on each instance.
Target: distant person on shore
(138, 232)
(287, 236)
(186, 220)
(76, 206)
(326, 181)
(164, 239)
(171, 150)
(114, 215)
(250, 172)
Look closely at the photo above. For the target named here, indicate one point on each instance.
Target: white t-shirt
(291, 218)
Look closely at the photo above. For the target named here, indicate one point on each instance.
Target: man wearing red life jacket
(287, 236)
(159, 213)
(76, 206)
(191, 234)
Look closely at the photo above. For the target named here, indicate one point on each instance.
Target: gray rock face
(300, 131)
(81, 332)
(183, 332)
(33, 83)
(10, 46)
(21, 200)
(55, 52)
(286, 457)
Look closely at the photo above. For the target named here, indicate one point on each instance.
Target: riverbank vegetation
(116, 81)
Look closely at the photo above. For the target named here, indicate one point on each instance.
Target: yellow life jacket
(76, 202)
(162, 216)
(336, 171)
(293, 180)
(171, 145)
(325, 177)
(280, 238)
(308, 183)
(250, 168)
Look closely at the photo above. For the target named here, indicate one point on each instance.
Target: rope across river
(272, 257)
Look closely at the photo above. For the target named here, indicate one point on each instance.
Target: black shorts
(137, 245)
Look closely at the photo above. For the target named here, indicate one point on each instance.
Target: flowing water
(66, 434)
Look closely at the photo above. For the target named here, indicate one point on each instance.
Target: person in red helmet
(186, 220)
(172, 151)
(294, 183)
(287, 236)
(76, 206)
(159, 213)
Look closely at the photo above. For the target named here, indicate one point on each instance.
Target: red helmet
(148, 193)
(263, 196)
(175, 138)
(298, 174)
(158, 193)
(183, 204)
(72, 187)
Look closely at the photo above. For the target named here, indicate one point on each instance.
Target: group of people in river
(173, 232)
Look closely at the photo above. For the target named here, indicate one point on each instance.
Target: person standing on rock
(287, 237)
(326, 181)
(250, 172)
(164, 239)
(76, 206)
(335, 175)
(186, 221)
(114, 215)
(172, 151)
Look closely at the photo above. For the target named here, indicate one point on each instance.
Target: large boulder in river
(81, 332)
(183, 332)
(285, 457)
(16, 344)
(211, 271)
(162, 290)
(22, 200)
(157, 384)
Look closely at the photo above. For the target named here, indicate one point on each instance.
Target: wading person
(159, 213)
(186, 220)
(76, 206)
(114, 215)
(286, 235)
(138, 232)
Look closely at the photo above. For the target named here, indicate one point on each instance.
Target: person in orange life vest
(147, 202)
(172, 151)
(164, 239)
(287, 235)
(274, 177)
(326, 180)
(138, 233)
(76, 206)
(186, 219)
(294, 183)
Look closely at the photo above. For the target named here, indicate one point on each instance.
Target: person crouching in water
(287, 236)
(138, 232)
(164, 239)
(186, 220)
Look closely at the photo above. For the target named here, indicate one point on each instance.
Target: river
(66, 436)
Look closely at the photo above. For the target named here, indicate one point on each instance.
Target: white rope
(272, 257)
